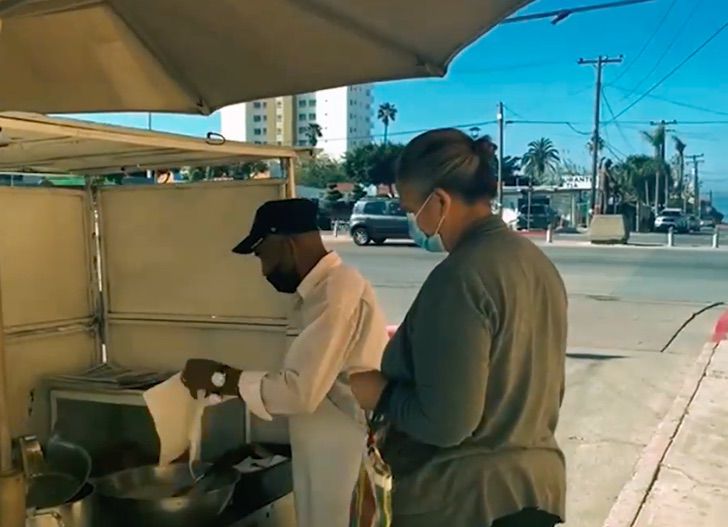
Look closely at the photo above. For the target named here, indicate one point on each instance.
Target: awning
(35, 143)
(194, 56)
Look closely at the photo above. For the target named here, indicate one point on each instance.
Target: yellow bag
(371, 504)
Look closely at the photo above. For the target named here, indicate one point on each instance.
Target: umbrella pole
(12, 484)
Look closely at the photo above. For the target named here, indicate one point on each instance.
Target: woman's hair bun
(484, 146)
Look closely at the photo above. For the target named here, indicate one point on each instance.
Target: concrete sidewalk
(682, 476)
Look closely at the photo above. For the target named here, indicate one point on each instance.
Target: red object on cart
(391, 330)
(721, 328)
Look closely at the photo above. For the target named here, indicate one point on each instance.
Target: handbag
(371, 504)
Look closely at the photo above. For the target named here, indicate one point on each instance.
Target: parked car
(709, 222)
(542, 217)
(694, 224)
(376, 220)
(672, 218)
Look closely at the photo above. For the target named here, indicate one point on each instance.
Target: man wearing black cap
(342, 331)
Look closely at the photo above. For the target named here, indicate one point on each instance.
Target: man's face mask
(284, 281)
(433, 242)
(283, 275)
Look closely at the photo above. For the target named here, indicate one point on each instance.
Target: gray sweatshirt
(476, 381)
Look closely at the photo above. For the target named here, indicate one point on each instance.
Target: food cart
(138, 276)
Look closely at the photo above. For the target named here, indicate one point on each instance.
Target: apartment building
(344, 115)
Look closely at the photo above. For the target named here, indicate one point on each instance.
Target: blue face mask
(432, 243)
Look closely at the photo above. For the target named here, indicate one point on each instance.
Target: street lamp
(474, 132)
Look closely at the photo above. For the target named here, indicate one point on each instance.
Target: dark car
(694, 224)
(541, 217)
(375, 220)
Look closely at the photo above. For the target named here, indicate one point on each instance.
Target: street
(625, 304)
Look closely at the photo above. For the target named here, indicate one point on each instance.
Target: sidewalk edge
(626, 509)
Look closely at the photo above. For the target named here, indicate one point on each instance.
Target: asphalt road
(625, 304)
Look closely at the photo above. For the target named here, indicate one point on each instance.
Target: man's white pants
(327, 448)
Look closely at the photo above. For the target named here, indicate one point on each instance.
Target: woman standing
(472, 382)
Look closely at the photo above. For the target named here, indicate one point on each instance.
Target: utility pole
(150, 173)
(596, 140)
(661, 168)
(501, 132)
(696, 159)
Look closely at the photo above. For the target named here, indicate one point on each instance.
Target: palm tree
(511, 164)
(590, 145)
(541, 158)
(680, 147)
(313, 134)
(656, 139)
(387, 113)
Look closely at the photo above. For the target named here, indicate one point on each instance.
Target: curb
(628, 506)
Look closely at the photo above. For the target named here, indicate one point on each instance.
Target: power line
(647, 42)
(511, 110)
(672, 101)
(508, 67)
(407, 132)
(687, 59)
(674, 40)
(547, 122)
(621, 156)
(619, 128)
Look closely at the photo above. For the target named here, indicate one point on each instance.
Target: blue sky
(532, 67)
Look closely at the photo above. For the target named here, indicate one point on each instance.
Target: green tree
(373, 164)
(541, 159)
(656, 139)
(635, 178)
(313, 134)
(333, 194)
(387, 113)
(511, 165)
(358, 192)
(590, 145)
(319, 172)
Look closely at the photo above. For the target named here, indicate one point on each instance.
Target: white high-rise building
(345, 117)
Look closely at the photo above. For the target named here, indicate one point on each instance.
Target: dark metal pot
(77, 512)
(140, 497)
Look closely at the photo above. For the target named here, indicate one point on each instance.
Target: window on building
(257, 118)
(301, 103)
(301, 116)
(312, 116)
(257, 104)
(279, 118)
(311, 102)
(257, 131)
(301, 129)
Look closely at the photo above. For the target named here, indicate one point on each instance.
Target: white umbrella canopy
(195, 56)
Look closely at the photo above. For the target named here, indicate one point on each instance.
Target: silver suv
(376, 220)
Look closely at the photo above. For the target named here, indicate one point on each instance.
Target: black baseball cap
(285, 216)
